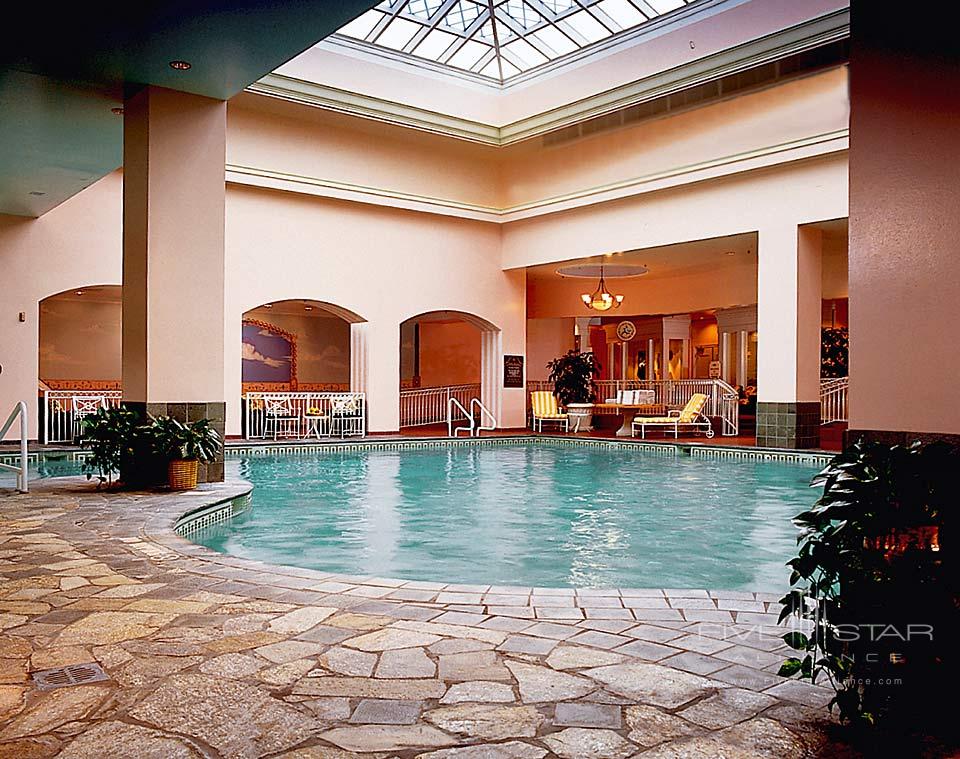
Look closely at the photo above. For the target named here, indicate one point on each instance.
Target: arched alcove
(446, 354)
(297, 345)
(79, 346)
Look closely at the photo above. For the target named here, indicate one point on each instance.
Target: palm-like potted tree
(185, 446)
(573, 377)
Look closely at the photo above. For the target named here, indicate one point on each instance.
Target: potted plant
(876, 585)
(185, 446)
(574, 385)
(117, 440)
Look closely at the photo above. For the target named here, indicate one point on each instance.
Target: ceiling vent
(776, 72)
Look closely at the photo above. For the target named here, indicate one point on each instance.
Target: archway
(447, 354)
(299, 346)
(78, 357)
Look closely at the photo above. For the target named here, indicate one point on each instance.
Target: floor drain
(72, 674)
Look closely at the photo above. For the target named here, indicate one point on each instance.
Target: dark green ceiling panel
(67, 64)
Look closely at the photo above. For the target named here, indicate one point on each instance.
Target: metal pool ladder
(476, 420)
(19, 411)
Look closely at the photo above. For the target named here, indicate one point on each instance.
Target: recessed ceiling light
(79, 292)
(268, 305)
(117, 111)
(730, 253)
(180, 65)
(308, 308)
(37, 193)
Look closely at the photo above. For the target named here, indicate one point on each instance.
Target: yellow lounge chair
(545, 409)
(691, 416)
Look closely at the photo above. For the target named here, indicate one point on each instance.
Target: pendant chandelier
(601, 299)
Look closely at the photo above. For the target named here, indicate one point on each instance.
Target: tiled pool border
(301, 448)
(664, 448)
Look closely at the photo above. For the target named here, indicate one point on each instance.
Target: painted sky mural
(266, 355)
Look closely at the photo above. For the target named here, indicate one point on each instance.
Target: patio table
(627, 411)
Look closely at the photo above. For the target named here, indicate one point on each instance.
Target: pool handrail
(19, 411)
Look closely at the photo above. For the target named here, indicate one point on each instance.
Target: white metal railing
(454, 403)
(723, 401)
(833, 399)
(429, 405)
(300, 415)
(65, 409)
(481, 412)
(19, 412)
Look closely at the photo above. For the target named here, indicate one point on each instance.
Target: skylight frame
(496, 24)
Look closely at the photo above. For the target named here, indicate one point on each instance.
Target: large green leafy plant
(573, 377)
(176, 440)
(115, 437)
(874, 579)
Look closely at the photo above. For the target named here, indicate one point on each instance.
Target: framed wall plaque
(512, 371)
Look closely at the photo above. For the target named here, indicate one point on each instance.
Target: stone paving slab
(214, 656)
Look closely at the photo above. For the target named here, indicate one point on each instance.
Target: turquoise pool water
(531, 514)
(524, 514)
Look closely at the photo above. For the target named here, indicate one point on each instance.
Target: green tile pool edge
(302, 448)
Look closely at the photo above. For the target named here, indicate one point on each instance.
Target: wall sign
(512, 371)
(626, 331)
(715, 369)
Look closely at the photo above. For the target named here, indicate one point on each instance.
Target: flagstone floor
(212, 656)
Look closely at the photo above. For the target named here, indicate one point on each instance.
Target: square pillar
(788, 320)
(174, 155)
(904, 271)
(382, 375)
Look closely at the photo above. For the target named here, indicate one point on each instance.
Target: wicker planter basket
(182, 474)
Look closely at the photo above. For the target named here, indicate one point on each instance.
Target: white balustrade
(303, 415)
(428, 405)
(833, 399)
(65, 409)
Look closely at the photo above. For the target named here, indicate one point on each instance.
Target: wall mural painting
(269, 355)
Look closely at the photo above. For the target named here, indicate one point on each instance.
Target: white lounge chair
(691, 416)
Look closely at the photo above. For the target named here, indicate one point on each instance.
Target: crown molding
(773, 155)
(808, 35)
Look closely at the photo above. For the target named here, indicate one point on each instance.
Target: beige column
(173, 256)
(583, 330)
(742, 358)
(383, 376)
(725, 357)
(904, 271)
(491, 374)
(788, 320)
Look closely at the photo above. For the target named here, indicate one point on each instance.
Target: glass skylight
(498, 39)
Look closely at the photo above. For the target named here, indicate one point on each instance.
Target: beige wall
(798, 110)
(546, 340)
(449, 354)
(384, 265)
(337, 156)
(904, 224)
(307, 142)
(79, 338)
(75, 244)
